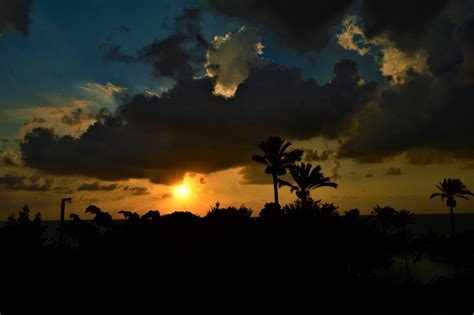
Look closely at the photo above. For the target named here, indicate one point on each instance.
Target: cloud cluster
(9, 158)
(35, 182)
(15, 14)
(306, 25)
(183, 52)
(74, 117)
(97, 186)
(427, 117)
(298, 24)
(395, 64)
(405, 22)
(139, 191)
(189, 129)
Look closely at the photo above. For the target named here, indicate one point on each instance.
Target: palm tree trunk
(303, 201)
(452, 221)
(275, 187)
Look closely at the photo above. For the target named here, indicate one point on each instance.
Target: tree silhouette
(151, 215)
(101, 219)
(352, 215)
(24, 232)
(130, 216)
(452, 189)
(271, 211)
(306, 179)
(402, 219)
(277, 159)
(383, 218)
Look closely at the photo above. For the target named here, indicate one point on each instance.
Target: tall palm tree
(452, 189)
(277, 158)
(306, 179)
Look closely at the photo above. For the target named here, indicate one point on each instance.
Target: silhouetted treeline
(294, 259)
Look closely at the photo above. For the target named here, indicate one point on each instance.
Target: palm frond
(282, 183)
(259, 159)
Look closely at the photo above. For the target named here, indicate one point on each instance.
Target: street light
(61, 222)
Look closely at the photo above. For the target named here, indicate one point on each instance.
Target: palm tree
(306, 179)
(403, 218)
(277, 159)
(452, 189)
(383, 218)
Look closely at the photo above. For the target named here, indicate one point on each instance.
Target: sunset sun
(181, 192)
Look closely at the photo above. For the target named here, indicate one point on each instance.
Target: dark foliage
(292, 258)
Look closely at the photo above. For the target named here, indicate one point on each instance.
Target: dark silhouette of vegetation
(271, 211)
(306, 179)
(277, 158)
(352, 215)
(292, 254)
(24, 232)
(450, 190)
(403, 219)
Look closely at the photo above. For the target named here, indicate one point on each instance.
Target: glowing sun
(181, 191)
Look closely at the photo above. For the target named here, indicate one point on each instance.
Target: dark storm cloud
(183, 52)
(15, 14)
(180, 54)
(404, 21)
(429, 118)
(97, 186)
(465, 36)
(188, 129)
(425, 116)
(14, 181)
(298, 24)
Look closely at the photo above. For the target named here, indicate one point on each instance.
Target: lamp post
(61, 222)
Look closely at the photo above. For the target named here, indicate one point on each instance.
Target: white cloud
(231, 57)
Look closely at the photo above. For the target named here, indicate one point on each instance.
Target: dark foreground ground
(321, 263)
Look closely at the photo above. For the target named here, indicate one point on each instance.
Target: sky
(145, 105)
